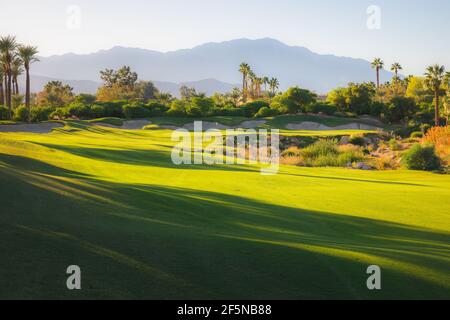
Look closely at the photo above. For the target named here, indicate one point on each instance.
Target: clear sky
(412, 32)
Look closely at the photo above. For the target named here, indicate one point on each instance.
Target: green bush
(135, 111)
(421, 158)
(79, 110)
(3, 113)
(21, 114)
(320, 107)
(156, 109)
(39, 114)
(250, 109)
(357, 140)
(394, 145)
(326, 153)
(97, 111)
(265, 112)
(417, 134)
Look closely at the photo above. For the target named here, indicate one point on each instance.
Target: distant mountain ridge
(218, 63)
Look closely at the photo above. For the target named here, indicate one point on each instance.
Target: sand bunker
(127, 125)
(251, 124)
(30, 127)
(218, 126)
(314, 126)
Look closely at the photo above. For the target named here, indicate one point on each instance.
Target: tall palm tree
(8, 45)
(244, 68)
(434, 79)
(2, 97)
(274, 85)
(378, 64)
(16, 71)
(265, 81)
(28, 55)
(396, 67)
(252, 78)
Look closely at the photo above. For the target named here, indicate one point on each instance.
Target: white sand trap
(31, 127)
(135, 124)
(207, 126)
(314, 126)
(251, 124)
(127, 125)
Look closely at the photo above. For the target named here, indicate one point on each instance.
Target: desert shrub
(250, 109)
(39, 114)
(384, 163)
(135, 111)
(357, 140)
(79, 110)
(229, 111)
(421, 157)
(21, 114)
(424, 127)
(265, 112)
(394, 145)
(3, 113)
(177, 109)
(292, 156)
(440, 137)
(112, 109)
(97, 111)
(199, 106)
(320, 107)
(417, 134)
(156, 108)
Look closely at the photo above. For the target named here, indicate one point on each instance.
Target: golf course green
(112, 202)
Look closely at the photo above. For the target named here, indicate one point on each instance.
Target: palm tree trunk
(17, 85)
(244, 81)
(378, 78)
(436, 108)
(27, 93)
(2, 97)
(9, 96)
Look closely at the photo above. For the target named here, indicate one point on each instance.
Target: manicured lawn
(112, 202)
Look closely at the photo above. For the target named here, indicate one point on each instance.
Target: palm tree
(28, 55)
(396, 67)
(8, 45)
(244, 68)
(274, 85)
(252, 78)
(2, 97)
(378, 64)
(16, 71)
(265, 81)
(434, 79)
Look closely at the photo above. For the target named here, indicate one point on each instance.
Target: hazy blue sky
(413, 32)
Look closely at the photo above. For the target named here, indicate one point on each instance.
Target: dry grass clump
(440, 137)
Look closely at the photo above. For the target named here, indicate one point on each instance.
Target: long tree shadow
(142, 157)
(223, 245)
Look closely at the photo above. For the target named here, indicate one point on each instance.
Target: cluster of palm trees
(437, 80)
(251, 84)
(15, 59)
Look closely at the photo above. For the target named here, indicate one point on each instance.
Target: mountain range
(211, 67)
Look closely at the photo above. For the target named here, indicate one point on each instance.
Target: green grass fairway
(112, 202)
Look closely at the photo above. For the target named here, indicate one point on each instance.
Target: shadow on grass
(196, 244)
(142, 157)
